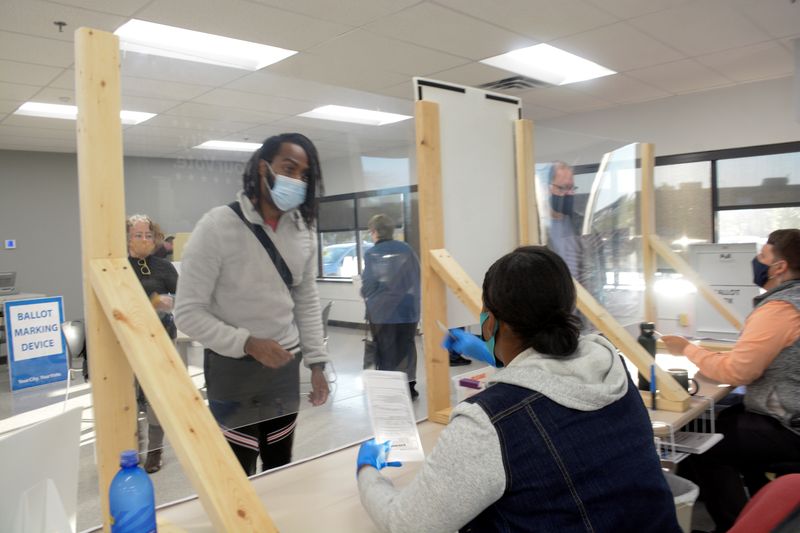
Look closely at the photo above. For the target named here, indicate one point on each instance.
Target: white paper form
(392, 414)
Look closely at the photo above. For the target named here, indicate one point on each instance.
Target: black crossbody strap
(269, 246)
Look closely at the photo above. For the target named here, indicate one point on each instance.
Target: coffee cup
(681, 375)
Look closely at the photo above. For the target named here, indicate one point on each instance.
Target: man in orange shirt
(766, 358)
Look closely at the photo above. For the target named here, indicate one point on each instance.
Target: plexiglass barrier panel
(593, 223)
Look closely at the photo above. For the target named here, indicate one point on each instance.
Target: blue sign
(37, 353)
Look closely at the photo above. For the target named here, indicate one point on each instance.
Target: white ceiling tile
(758, 62)
(626, 9)
(206, 125)
(38, 122)
(270, 83)
(17, 92)
(689, 27)
(563, 99)
(619, 47)
(262, 132)
(56, 96)
(9, 106)
(167, 90)
(136, 65)
(66, 80)
(29, 49)
(37, 145)
(254, 102)
(620, 89)
(539, 19)
(36, 17)
(211, 155)
(176, 137)
(228, 114)
(337, 71)
(117, 7)
(351, 12)
(12, 71)
(680, 77)
(536, 112)
(403, 90)
(779, 18)
(472, 74)
(240, 19)
(360, 49)
(42, 133)
(439, 28)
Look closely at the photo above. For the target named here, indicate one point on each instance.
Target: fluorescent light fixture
(550, 64)
(355, 115)
(188, 45)
(70, 112)
(230, 146)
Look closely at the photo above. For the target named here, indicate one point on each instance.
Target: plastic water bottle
(131, 497)
(648, 342)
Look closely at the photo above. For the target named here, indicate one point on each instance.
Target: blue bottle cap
(128, 458)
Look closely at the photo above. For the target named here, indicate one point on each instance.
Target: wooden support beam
(668, 387)
(206, 457)
(431, 233)
(102, 216)
(441, 417)
(527, 209)
(676, 262)
(457, 280)
(647, 207)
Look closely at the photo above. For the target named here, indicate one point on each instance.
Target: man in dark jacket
(391, 290)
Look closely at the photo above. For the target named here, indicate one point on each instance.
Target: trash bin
(684, 493)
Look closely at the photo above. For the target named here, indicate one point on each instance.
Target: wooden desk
(318, 494)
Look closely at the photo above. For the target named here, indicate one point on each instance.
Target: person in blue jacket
(391, 290)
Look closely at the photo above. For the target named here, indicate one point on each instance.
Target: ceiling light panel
(70, 112)
(355, 115)
(230, 146)
(550, 64)
(188, 45)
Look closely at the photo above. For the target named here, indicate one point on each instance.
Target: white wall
(746, 115)
(39, 208)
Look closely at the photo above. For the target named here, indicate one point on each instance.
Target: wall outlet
(11, 244)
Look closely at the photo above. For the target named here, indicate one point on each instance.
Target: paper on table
(392, 414)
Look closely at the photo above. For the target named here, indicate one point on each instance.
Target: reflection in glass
(760, 180)
(754, 225)
(339, 254)
(683, 204)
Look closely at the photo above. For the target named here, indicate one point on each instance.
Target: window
(760, 180)
(755, 225)
(343, 233)
(683, 201)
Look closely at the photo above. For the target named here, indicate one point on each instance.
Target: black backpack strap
(269, 246)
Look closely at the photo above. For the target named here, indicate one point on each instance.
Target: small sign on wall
(36, 350)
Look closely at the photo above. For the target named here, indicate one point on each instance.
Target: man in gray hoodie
(560, 441)
(248, 293)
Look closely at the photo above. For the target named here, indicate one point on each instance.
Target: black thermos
(648, 342)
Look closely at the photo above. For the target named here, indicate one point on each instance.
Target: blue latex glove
(373, 454)
(460, 341)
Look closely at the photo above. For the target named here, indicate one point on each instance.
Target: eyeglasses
(143, 268)
(564, 189)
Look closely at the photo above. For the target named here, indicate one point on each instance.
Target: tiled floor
(343, 420)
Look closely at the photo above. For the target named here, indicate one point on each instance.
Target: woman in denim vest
(560, 441)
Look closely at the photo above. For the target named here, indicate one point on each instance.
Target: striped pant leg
(276, 437)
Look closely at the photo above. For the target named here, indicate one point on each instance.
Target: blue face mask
(490, 343)
(287, 193)
(760, 272)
